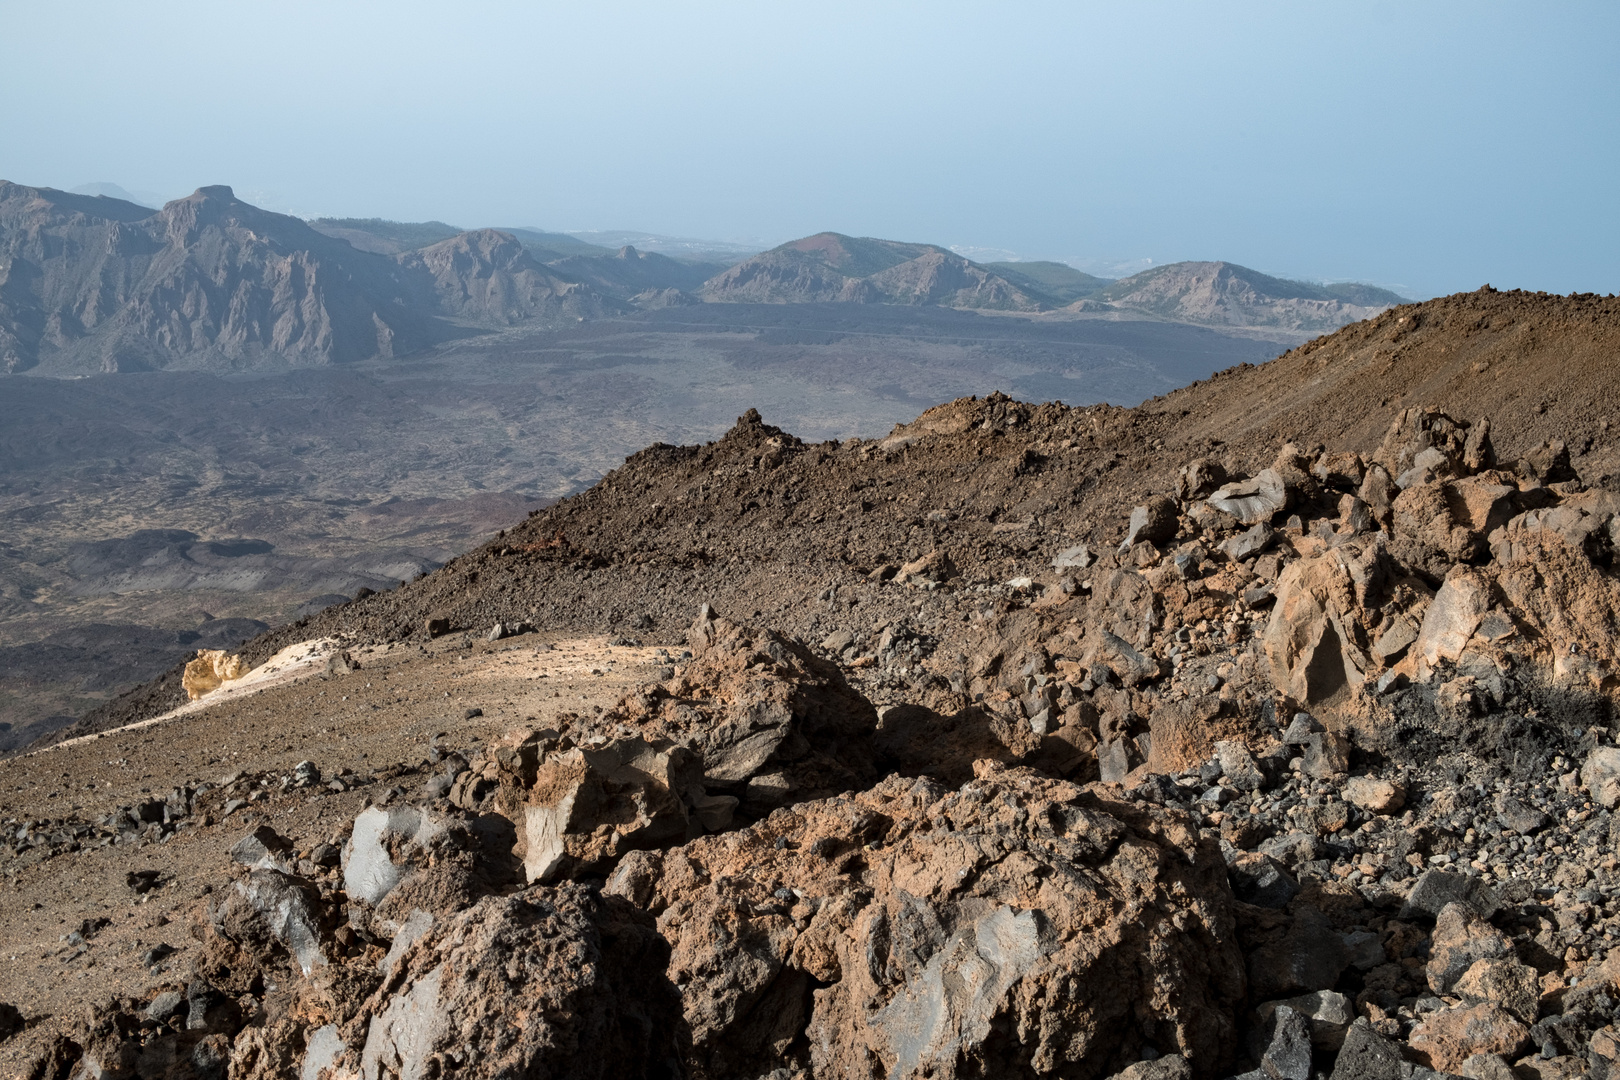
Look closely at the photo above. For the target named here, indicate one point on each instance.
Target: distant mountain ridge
(1225, 294)
(90, 283)
(833, 267)
(1059, 281)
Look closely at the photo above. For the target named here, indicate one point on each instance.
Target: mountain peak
(830, 266)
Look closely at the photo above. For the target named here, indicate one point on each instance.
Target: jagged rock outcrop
(754, 721)
(1016, 926)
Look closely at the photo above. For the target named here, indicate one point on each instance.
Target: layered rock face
(486, 276)
(212, 282)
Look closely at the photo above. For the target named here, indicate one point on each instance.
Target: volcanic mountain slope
(628, 273)
(95, 284)
(1059, 281)
(1542, 367)
(1026, 741)
(387, 237)
(1224, 294)
(384, 237)
(830, 266)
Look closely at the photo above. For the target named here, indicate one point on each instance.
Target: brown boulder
(753, 720)
(1375, 795)
(1437, 525)
(1153, 522)
(752, 702)
(1451, 618)
(1424, 441)
(589, 806)
(999, 929)
(1315, 641)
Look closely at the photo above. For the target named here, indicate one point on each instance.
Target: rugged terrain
(1265, 729)
(302, 487)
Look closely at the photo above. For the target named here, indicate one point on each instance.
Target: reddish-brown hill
(1540, 366)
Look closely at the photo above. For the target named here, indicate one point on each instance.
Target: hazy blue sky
(1428, 146)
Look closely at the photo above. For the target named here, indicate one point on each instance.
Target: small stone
(472, 713)
(837, 641)
(142, 881)
(1366, 949)
(157, 954)
(306, 774)
(1262, 881)
(1374, 795)
(1329, 1013)
(1601, 776)
(1254, 501)
(1487, 1067)
(1170, 1067)
(1300, 729)
(1249, 543)
(165, 1005)
(1153, 522)
(1520, 816)
(1077, 557)
(1437, 888)
(1288, 1057)
(1503, 981)
(1238, 766)
(263, 848)
(1367, 1055)
(1326, 755)
(1113, 761)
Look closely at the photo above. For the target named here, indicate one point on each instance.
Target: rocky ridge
(1220, 293)
(96, 284)
(1299, 762)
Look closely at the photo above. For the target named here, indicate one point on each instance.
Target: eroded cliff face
(212, 282)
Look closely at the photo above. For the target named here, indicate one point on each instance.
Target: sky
(1429, 147)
